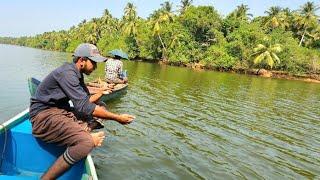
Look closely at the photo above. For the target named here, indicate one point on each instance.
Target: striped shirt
(113, 69)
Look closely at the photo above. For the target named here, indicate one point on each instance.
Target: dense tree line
(283, 39)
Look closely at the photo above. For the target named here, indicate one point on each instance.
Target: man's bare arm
(121, 118)
(94, 98)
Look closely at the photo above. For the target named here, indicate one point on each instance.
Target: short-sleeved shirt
(61, 85)
(113, 69)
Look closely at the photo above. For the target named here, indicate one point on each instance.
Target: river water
(190, 124)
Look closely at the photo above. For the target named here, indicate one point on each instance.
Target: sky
(31, 17)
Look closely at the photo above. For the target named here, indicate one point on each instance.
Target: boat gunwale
(14, 120)
(124, 87)
(120, 89)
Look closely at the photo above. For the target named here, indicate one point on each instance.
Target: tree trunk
(164, 49)
(257, 73)
(302, 38)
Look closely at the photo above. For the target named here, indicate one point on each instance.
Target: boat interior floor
(25, 157)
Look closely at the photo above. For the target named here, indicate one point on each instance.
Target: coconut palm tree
(272, 20)
(107, 24)
(91, 38)
(313, 36)
(166, 6)
(279, 20)
(267, 54)
(157, 21)
(273, 11)
(307, 19)
(184, 5)
(166, 10)
(130, 28)
(163, 15)
(80, 34)
(82, 23)
(175, 39)
(91, 31)
(130, 11)
(241, 13)
(106, 14)
(130, 20)
(95, 31)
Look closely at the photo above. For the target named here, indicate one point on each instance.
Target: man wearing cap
(54, 121)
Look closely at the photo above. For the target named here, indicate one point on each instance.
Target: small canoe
(33, 83)
(114, 93)
(25, 157)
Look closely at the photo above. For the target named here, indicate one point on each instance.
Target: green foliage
(200, 20)
(113, 41)
(218, 58)
(132, 46)
(73, 45)
(199, 34)
(243, 39)
(240, 13)
(148, 44)
(294, 59)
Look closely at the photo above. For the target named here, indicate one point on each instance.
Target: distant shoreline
(313, 78)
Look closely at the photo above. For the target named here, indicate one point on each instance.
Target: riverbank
(314, 78)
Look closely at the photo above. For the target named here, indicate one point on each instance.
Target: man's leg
(64, 162)
(59, 167)
(61, 127)
(96, 123)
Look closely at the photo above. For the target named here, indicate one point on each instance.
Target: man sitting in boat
(51, 116)
(114, 71)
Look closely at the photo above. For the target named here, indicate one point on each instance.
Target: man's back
(113, 68)
(61, 85)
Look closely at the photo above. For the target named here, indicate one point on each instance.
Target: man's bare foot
(98, 138)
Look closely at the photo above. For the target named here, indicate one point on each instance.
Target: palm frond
(276, 48)
(259, 47)
(275, 57)
(259, 59)
(269, 59)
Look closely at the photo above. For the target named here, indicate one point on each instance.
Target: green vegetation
(282, 40)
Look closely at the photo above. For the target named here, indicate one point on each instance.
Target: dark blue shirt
(61, 85)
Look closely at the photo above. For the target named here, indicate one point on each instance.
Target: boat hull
(115, 94)
(26, 157)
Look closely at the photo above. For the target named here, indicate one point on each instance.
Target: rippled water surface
(191, 124)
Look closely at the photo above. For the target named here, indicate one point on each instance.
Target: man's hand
(111, 85)
(125, 118)
(105, 90)
(97, 93)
